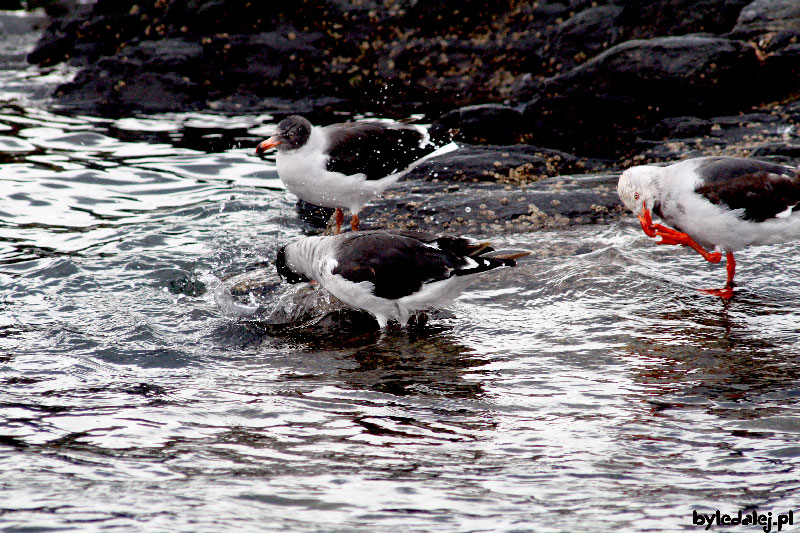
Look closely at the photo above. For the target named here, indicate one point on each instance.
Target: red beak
(266, 145)
(646, 221)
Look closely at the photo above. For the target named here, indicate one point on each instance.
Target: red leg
(339, 220)
(354, 222)
(731, 268)
(670, 236)
(726, 293)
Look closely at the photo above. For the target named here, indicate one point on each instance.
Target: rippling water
(589, 389)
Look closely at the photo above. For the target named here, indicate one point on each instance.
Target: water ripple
(144, 384)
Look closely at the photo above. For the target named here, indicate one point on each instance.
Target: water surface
(589, 389)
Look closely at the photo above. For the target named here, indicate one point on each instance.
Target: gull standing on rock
(346, 165)
(391, 274)
(726, 203)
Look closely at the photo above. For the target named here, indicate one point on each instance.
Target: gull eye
(636, 196)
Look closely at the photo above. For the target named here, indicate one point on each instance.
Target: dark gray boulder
(637, 83)
(484, 124)
(765, 16)
(586, 34)
(681, 128)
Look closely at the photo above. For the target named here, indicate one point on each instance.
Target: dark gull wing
(396, 265)
(760, 188)
(374, 149)
(460, 246)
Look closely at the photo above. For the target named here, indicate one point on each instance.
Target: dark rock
(766, 16)
(559, 9)
(791, 152)
(492, 208)
(587, 33)
(592, 78)
(743, 119)
(314, 215)
(57, 43)
(770, 131)
(681, 128)
(791, 111)
(646, 20)
(54, 8)
(142, 79)
(635, 84)
(405, 53)
(490, 190)
(484, 124)
(504, 164)
(773, 29)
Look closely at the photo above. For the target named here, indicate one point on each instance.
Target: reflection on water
(589, 389)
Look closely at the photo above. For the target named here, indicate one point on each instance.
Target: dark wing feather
(762, 189)
(396, 265)
(399, 265)
(458, 245)
(374, 149)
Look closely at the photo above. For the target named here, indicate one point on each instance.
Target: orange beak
(266, 145)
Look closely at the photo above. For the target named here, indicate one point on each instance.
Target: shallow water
(589, 389)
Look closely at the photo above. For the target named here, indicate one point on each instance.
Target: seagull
(390, 274)
(724, 203)
(346, 165)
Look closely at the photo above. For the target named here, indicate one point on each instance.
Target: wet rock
(143, 77)
(314, 215)
(515, 164)
(498, 185)
(81, 33)
(492, 208)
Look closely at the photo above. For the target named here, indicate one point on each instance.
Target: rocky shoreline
(488, 189)
(537, 93)
(574, 75)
